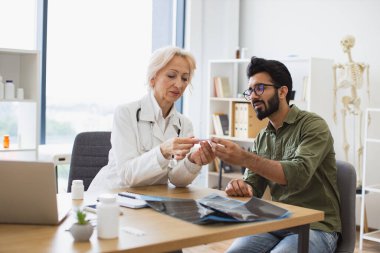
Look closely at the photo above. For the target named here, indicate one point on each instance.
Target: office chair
(346, 177)
(90, 154)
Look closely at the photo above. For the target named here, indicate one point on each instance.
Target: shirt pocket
(289, 153)
(264, 155)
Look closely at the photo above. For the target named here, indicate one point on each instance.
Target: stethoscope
(144, 148)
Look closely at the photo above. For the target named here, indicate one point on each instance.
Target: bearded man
(293, 156)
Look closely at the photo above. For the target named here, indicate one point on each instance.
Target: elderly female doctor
(151, 141)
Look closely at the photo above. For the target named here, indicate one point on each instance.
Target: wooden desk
(162, 233)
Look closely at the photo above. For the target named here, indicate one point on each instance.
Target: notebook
(130, 200)
(28, 194)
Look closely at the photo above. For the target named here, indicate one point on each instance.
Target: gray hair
(162, 56)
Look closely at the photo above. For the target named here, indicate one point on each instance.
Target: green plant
(81, 217)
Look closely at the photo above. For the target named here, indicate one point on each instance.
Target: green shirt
(304, 147)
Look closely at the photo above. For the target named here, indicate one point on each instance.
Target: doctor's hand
(229, 152)
(177, 147)
(239, 188)
(203, 155)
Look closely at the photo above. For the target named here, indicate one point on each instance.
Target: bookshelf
(312, 80)
(370, 182)
(20, 117)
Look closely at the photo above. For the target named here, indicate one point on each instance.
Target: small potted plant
(81, 230)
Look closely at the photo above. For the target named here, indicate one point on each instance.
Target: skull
(347, 43)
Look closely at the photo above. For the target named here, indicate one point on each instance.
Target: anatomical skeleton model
(350, 76)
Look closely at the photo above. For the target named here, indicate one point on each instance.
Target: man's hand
(239, 188)
(229, 152)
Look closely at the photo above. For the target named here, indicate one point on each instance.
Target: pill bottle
(237, 53)
(20, 94)
(107, 211)
(9, 90)
(6, 141)
(243, 53)
(77, 189)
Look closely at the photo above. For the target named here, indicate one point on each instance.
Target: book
(246, 124)
(217, 91)
(225, 124)
(222, 87)
(217, 124)
(127, 199)
(237, 116)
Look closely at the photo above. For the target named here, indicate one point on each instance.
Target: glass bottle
(6, 141)
(237, 53)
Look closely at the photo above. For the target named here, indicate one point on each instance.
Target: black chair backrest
(347, 191)
(89, 155)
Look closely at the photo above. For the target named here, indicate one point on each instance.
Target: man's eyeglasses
(258, 89)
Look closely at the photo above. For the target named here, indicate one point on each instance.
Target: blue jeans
(283, 241)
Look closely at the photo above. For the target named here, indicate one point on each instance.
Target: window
(97, 53)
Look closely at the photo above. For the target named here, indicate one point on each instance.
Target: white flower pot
(81, 232)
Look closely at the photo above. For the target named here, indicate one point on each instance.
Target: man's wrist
(248, 159)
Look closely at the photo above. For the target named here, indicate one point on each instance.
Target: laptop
(28, 194)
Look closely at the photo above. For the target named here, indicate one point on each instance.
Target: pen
(125, 195)
(129, 195)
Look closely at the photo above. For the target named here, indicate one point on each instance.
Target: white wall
(279, 28)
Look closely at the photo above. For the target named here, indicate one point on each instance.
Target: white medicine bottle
(77, 189)
(9, 90)
(107, 211)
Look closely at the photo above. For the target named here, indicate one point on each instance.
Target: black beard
(273, 105)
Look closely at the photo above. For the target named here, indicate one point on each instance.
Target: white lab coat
(135, 158)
